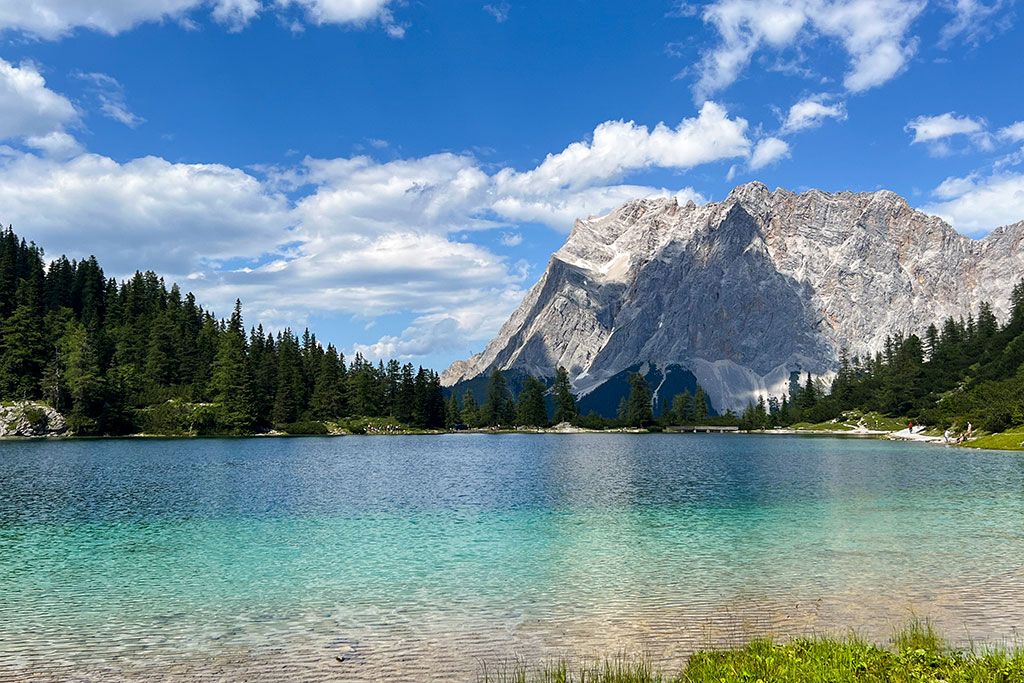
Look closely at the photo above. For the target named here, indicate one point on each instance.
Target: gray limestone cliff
(744, 291)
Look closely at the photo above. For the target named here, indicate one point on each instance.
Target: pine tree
(229, 382)
(470, 410)
(639, 412)
(24, 349)
(682, 408)
(452, 414)
(289, 394)
(161, 358)
(84, 380)
(495, 408)
(565, 403)
(532, 411)
(700, 405)
(326, 401)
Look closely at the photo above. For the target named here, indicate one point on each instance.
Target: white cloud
(511, 239)
(932, 128)
(54, 19)
(620, 147)
(328, 236)
(811, 112)
(1014, 132)
(977, 205)
(57, 144)
(27, 106)
(499, 11)
(150, 212)
(873, 33)
(768, 151)
(110, 95)
(236, 13)
(558, 210)
(973, 20)
(357, 12)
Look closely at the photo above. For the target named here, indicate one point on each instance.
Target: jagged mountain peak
(744, 291)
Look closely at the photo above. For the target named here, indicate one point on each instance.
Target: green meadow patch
(917, 654)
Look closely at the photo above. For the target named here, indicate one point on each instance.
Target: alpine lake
(425, 558)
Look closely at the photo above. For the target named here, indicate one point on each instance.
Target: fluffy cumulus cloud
(620, 147)
(1014, 132)
(27, 107)
(54, 19)
(873, 33)
(768, 151)
(976, 204)
(932, 128)
(172, 216)
(327, 236)
(348, 12)
(811, 112)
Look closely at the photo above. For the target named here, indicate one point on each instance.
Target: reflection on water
(417, 558)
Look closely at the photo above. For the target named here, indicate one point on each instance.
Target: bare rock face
(744, 291)
(30, 419)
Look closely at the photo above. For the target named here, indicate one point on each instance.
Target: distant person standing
(945, 436)
(970, 430)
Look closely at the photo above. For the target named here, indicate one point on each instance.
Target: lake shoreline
(811, 433)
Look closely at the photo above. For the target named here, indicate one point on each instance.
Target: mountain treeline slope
(137, 356)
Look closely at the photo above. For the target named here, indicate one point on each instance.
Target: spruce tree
(452, 414)
(639, 412)
(495, 408)
(326, 401)
(565, 402)
(471, 410)
(24, 349)
(700, 405)
(532, 411)
(229, 382)
(682, 408)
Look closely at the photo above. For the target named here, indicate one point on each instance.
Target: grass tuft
(918, 654)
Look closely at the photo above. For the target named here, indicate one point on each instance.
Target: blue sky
(396, 174)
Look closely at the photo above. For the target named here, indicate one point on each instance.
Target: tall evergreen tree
(495, 407)
(532, 410)
(565, 402)
(639, 412)
(229, 382)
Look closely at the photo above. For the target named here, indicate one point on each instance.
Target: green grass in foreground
(917, 655)
(1010, 440)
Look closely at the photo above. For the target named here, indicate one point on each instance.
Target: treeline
(119, 358)
(530, 409)
(966, 371)
(500, 409)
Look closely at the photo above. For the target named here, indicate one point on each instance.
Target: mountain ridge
(745, 291)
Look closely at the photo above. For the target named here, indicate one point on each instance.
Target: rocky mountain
(743, 292)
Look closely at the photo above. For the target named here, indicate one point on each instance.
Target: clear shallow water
(419, 558)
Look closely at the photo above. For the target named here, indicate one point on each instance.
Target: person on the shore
(970, 430)
(945, 437)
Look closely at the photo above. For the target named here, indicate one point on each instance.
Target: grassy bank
(916, 654)
(1011, 440)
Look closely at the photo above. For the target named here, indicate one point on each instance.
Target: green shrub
(307, 428)
(36, 418)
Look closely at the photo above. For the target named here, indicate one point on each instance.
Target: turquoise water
(420, 558)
